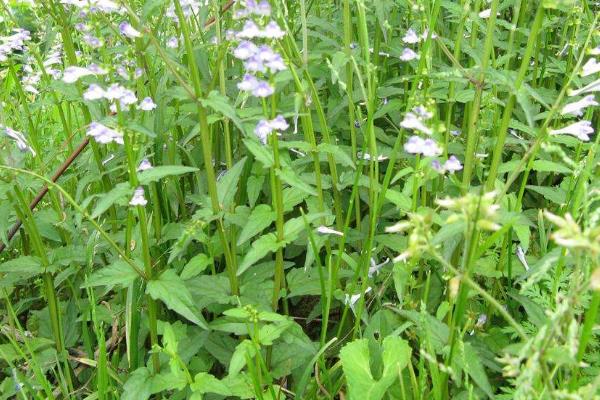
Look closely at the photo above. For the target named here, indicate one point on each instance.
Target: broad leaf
(157, 173)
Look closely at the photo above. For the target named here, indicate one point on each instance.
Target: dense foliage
(310, 199)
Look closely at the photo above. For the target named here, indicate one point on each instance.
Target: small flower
(328, 231)
(374, 268)
(126, 29)
(452, 164)
(279, 123)
(580, 130)
(521, 257)
(408, 55)
(262, 130)
(595, 51)
(138, 198)
(577, 107)
(411, 37)
(103, 134)
(368, 157)
(485, 13)
(92, 41)
(276, 64)
(245, 50)
(249, 31)
(427, 147)
(144, 165)
(147, 104)
(481, 320)
(19, 139)
(94, 92)
(590, 67)
(172, 43)
(254, 64)
(272, 31)
(437, 166)
(351, 300)
(263, 9)
(73, 74)
(590, 88)
(263, 89)
(413, 145)
(430, 148)
(138, 73)
(248, 83)
(455, 132)
(411, 121)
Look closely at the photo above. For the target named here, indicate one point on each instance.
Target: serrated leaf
(121, 191)
(338, 154)
(207, 383)
(228, 184)
(356, 364)
(472, 365)
(22, 265)
(221, 105)
(554, 194)
(289, 176)
(260, 152)
(171, 290)
(550, 166)
(157, 173)
(117, 273)
(261, 217)
(195, 266)
(260, 248)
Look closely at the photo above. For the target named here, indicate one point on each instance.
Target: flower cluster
(261, 61)
(105, 6)
(188, 8)
(581, 129)
(412, 38)
(14, 42)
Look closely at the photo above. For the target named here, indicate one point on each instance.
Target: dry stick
(15, 228)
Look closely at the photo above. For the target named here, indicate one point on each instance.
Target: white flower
(580, 130)
(138, 198)
(408, 55)
(279, 123)
(351, 300)
(452, 164)
(272, 31)
(374, 268)
(172, 43)
(595, 51)
(126, 29)
(73, 74)
(144, 165)
(147, 104)
(590, 67)
(19, 139)
(521, 257)
(590, 88)
(94, 92)
(411, 121)
(249, 31)
(577, 107)
(245, 50)
(368, 157)
(427, 147)
(485, 13)
(248, 83)
(328, 231)
(411, 37)
(262, 130)
(103, 134)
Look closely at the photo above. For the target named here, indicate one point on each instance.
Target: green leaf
(339, 155)
(120, 192)
(228, 184)
(138, 386)
(207, 383)
(550, 166)
(117, 273)
(554, 194)
(260, 248)
(260, 218)
(221, 105)
(289, 176)
(171, 290)
(356, 364)
(22, 265)
(472, 365)
(242, 351)
(157, 173)
(260, 152)
(195, 266)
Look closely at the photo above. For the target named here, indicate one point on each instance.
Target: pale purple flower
(436, 165)
(245, 50)
(272, 31)
(138, 198)
(263, 8)
(430, 148)
(248, 83)
(249, 31)
(122, 72)
(94, 92)
(19, 139)
(144, 165)
(452, 164)
(254, 64)
(279, 123)
(147, 104)
(126, 29)
(138, 73)
(276, 64)
(103, 134)
(411, 37)
(427, 147)
(411, 121)
(97, 70)
(115, 92)
(128, 98)
(576, 108)
(172, 43)
(92, 41)
(590, 67)
(73, 74)
(580, 129)
(589, 88)
(263, 89)
(413, 145)
(408, 55)
(262, 130)
(455, 132)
